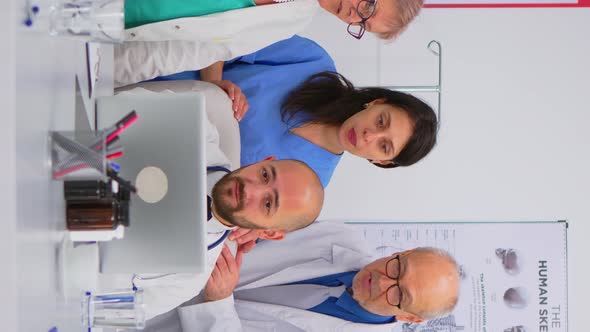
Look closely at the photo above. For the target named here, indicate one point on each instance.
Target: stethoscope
(209, 247)
(226, 233)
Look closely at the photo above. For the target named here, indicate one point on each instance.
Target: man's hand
(225, 276)
(239, 102)
(246, 238)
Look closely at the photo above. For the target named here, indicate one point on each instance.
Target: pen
(115, 155)
(115, 139)
(115, 166)
(65, 171)
(125, 122)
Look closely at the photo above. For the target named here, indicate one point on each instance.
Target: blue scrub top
(266, 77)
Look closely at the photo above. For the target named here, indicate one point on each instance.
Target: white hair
(450, 305)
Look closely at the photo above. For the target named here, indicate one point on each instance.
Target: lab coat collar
(214, 226)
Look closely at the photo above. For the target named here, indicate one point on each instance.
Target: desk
(43, 99)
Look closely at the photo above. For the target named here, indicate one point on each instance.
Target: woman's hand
(239, 102)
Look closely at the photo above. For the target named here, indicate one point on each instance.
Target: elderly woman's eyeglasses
(365, 9)
(394, 294)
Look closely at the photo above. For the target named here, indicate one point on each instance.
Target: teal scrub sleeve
(140, 12)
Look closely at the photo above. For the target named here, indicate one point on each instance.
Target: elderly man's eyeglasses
(365, 9)
(394, 293)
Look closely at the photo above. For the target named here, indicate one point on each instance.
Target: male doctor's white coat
(321, 249)
(163, 293)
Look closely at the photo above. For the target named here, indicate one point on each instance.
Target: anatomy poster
(513, 275)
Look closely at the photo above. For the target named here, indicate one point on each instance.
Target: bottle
(82, 190)
(93, 205)
(92, 214)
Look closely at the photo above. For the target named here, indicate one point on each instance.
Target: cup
(120, 310)
(90, 20)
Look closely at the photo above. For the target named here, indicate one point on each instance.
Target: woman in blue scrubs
(299, 108)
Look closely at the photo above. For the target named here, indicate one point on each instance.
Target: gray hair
(407, 10)
(452, 302)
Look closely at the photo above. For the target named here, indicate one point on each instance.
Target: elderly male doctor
(271, 197)
(320, 278)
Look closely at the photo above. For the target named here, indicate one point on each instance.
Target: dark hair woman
(300, 108)
(389, 128)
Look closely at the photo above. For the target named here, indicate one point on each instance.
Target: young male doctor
(269, 198)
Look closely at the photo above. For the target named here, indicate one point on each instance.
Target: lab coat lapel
(347, 259)
(342, 259)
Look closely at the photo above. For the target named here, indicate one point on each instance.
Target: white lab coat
(168, 292)
(321, 249)
(194, 43)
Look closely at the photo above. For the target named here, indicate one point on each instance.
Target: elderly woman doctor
(170, 36)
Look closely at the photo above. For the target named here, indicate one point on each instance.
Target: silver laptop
(167, 236)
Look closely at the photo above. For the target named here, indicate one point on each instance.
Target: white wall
(8, 273)
(514, 140)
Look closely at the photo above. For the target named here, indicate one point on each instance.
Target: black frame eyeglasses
(392, 270)
(365, 10)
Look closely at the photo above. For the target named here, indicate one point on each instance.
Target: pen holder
(78, 155)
